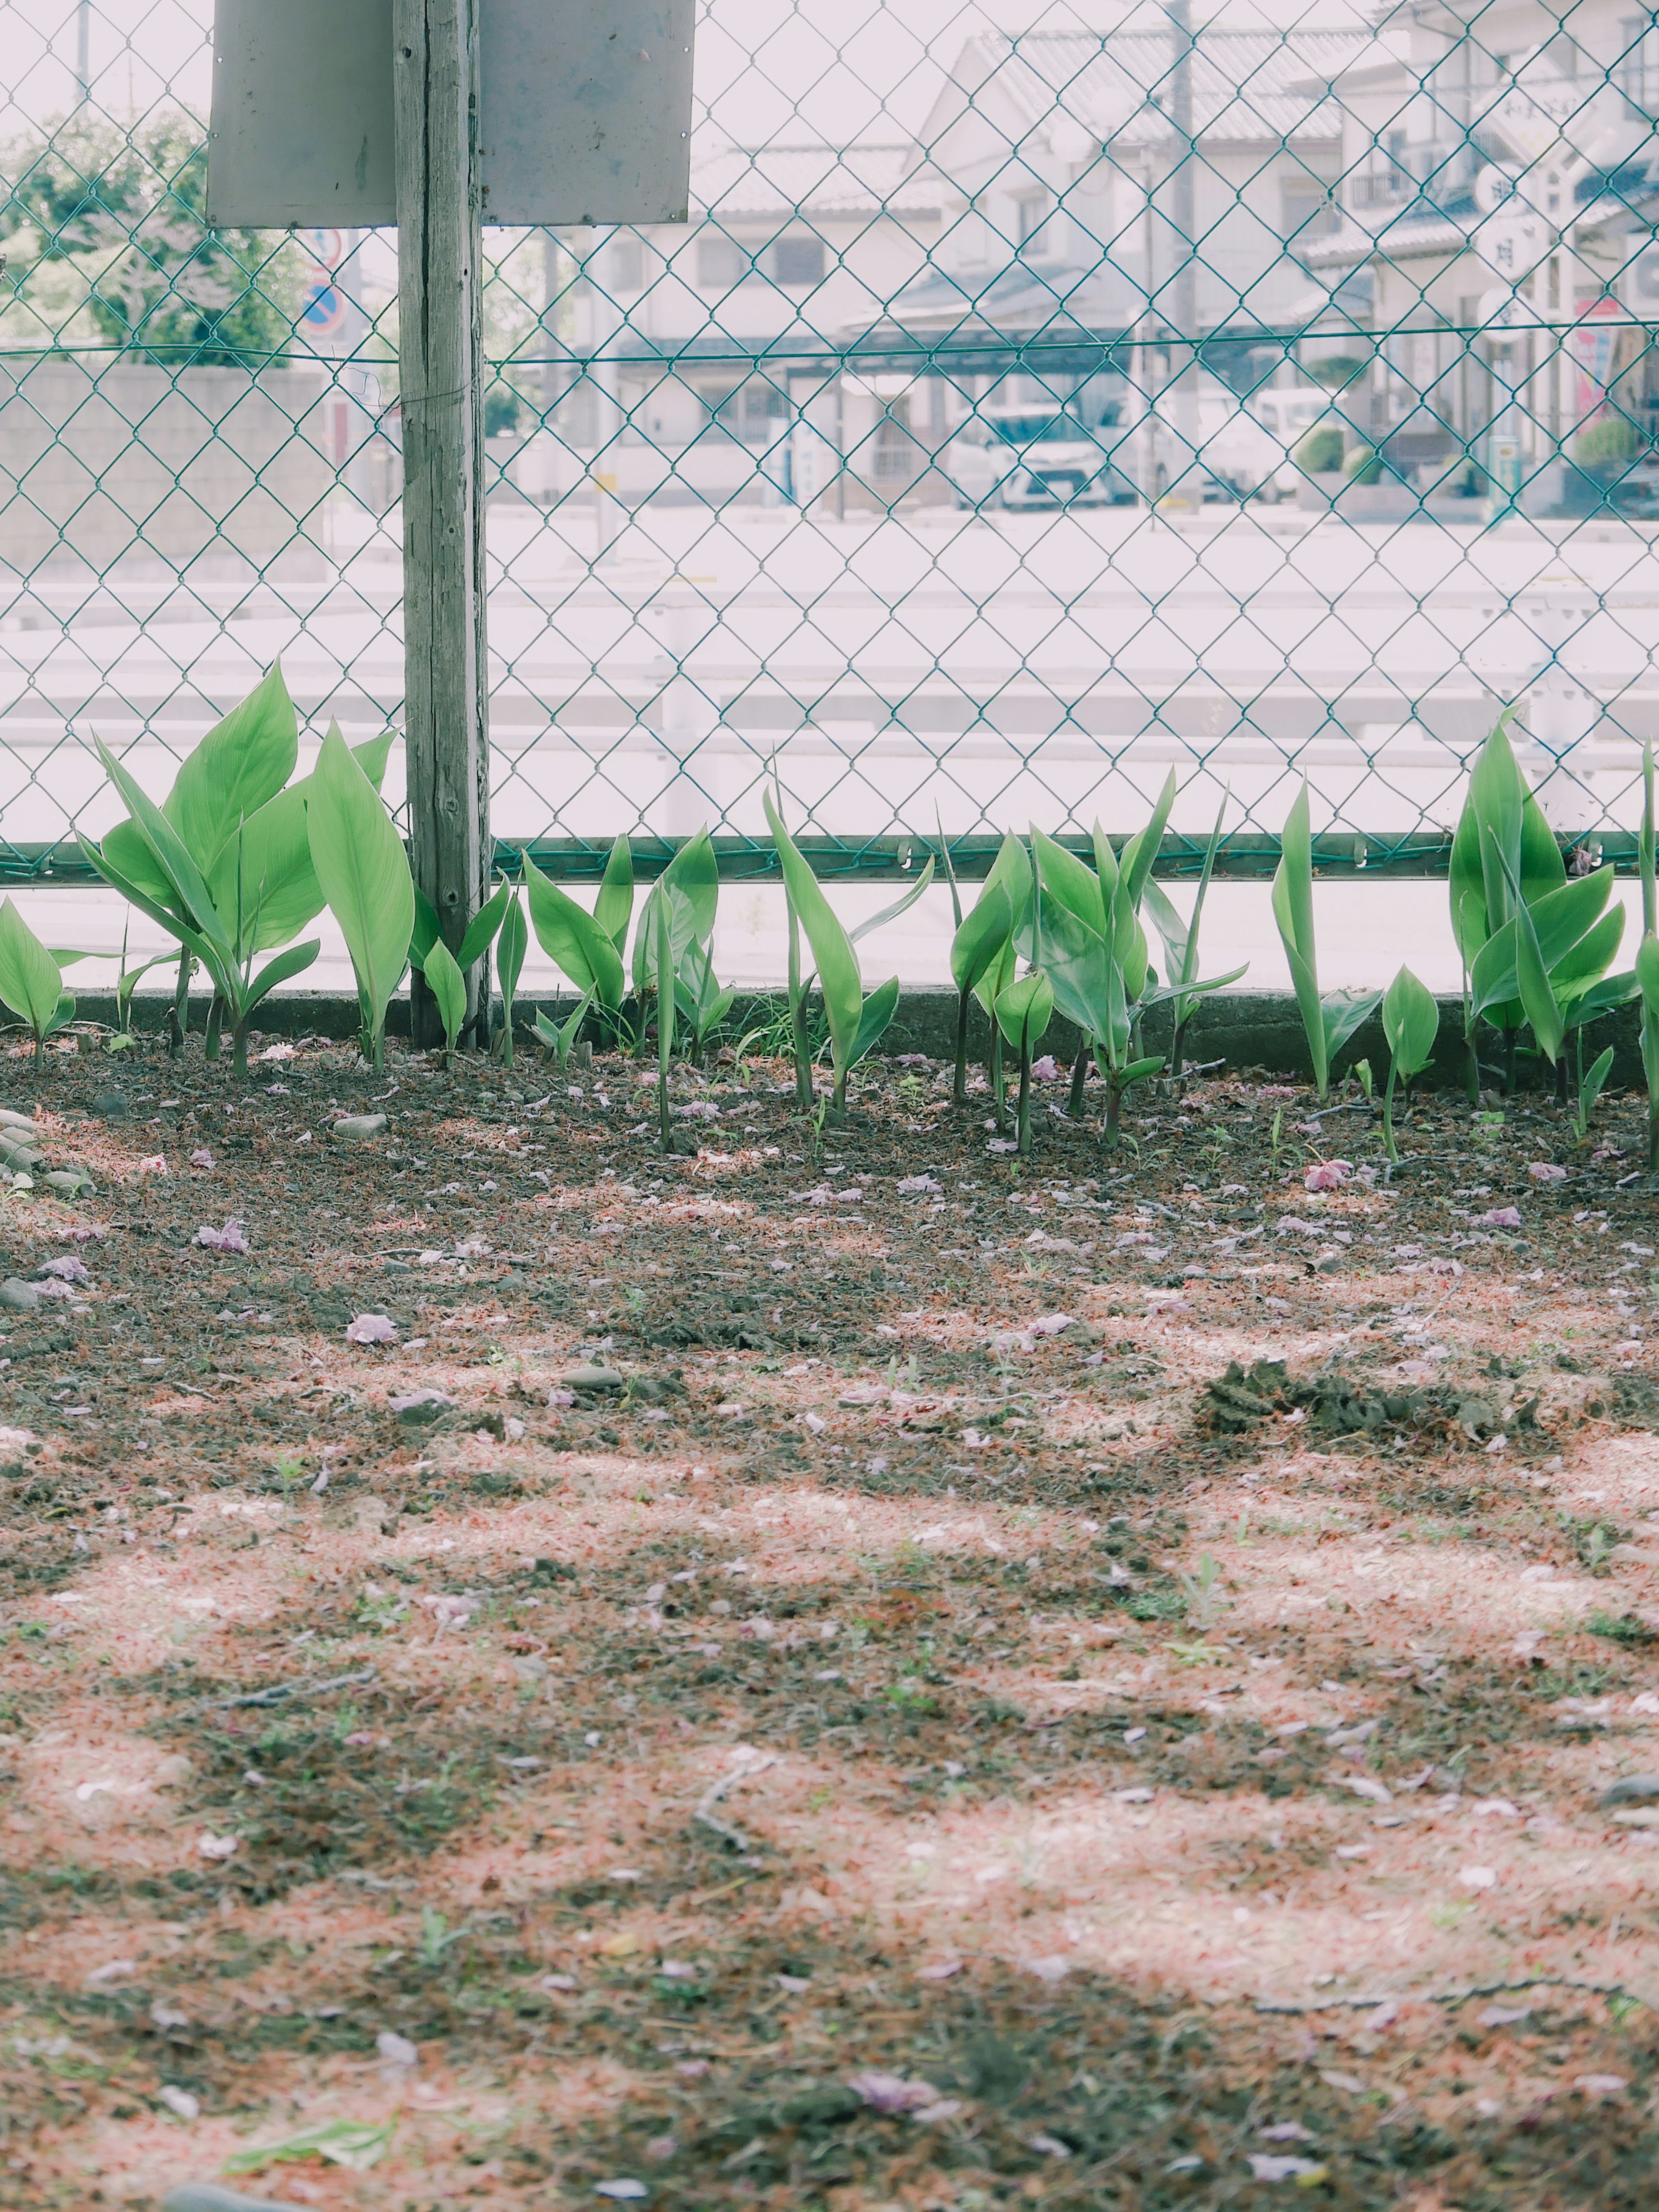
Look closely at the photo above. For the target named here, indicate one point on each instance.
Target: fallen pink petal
(892, 2092)
(230, 1238)
(371, 1328)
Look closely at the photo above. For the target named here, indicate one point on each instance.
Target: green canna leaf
(832, 949)
(127, 849)
(426, 931)
(694, 873)
(448, 987)
(573, 940)
(1647, 976)
(985, 930)
(874, 1017)
(364, 874)
(1292, 902)
(1025, 1009)
(1069, 883)
(279, 887)
(294, 960)
(242, 763)
(510, 948)
(1584, 964)
(1590, 1089)
(31, 982)
(902, 905)
(481, 930)
(1341, 1012)
(1077, 962)
(97, 859)
(1010, 874)
(1142, 849)
(1411, 1023)
(1532, 977)
(1601, 998)
(188, 892)
(613, 909)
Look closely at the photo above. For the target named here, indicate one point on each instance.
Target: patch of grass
(1620, 1627)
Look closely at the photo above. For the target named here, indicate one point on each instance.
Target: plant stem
(239, 1049)
(798, 1018)
(959, 1086)
(1113, 1111)
(1389, 1145)
(1177, 1047)
(180, 1007)
(1024, 1123)
(215, 1021)
(998, 1092)
(1079, 1076)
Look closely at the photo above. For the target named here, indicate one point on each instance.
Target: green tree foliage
(128, 209)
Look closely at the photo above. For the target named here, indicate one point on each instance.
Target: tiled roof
(1244, 82)
(745, 183)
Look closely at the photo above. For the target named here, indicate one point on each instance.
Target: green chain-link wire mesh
(1022, 414)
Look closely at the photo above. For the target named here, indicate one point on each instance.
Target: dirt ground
(879, 1675)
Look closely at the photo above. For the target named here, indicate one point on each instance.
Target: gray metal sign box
(585, 111)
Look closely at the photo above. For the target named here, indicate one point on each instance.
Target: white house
(1141, 184)
(694, 350)
(1500, 182)
(829, 317)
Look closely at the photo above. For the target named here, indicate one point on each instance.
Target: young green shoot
(1329, 1021)
(1411, 1023)
(559, 1037)
(31, 981)
(448, 987)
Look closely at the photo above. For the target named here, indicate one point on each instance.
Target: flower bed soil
(868, 1673)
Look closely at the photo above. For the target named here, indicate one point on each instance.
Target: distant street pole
(1183, 317)
(84, 51)
(439, 350)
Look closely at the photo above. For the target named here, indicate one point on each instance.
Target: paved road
(1000, 671)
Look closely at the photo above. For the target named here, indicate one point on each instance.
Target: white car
(1036, 457)
(1241, 448)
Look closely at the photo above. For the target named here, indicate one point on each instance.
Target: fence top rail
(1242, 857)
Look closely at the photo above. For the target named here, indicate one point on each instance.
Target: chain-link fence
(1021, 415)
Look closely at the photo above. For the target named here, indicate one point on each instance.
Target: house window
(721, 263)
(1309, 209)
(627, 263)
(753, 412)
(1033, 212)
(1638, 65)
(897, 457)
(799, 259)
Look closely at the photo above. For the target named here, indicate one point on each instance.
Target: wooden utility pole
(440, 370)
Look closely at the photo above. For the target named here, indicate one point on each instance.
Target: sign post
(435, 115)
(441, 365)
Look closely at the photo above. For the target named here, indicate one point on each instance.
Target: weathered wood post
(440, 371)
